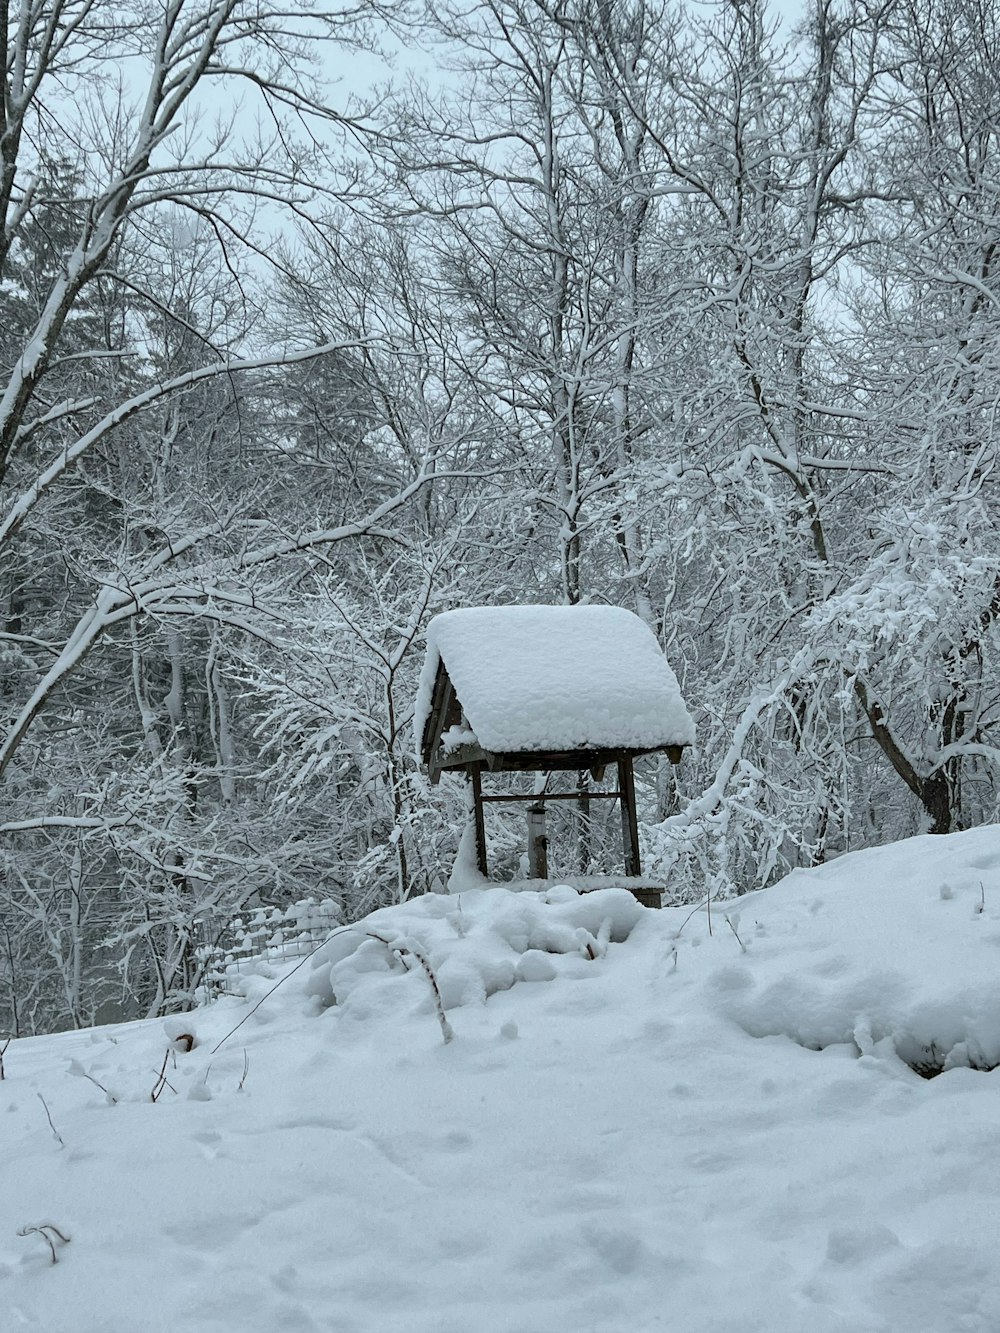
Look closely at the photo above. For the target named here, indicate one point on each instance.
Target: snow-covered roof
(556, 678)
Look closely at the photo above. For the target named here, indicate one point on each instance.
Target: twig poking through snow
(161, 1079)
(48, 1114)
(693, 912)
(47, 1230)
(3, 1051)
(402, 949)
(729, 923)
(75, 1067)
(246, 1070)
(280, 982)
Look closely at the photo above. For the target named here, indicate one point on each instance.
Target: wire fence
(269, 934)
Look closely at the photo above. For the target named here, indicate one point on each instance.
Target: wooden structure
(498, 697)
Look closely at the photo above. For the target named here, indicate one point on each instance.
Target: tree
(137, 482)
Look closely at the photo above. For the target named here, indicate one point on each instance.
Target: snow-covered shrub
(477, 942)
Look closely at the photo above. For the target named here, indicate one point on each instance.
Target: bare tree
(152, 515)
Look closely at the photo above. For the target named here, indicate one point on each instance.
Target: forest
(689, 310)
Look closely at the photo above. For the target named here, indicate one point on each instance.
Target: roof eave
(509, 761)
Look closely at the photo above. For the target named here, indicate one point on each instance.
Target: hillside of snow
(687, 1120)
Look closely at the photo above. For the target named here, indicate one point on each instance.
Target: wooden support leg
(475, 775)
(630, 825)
(583, 820)
(538, 857)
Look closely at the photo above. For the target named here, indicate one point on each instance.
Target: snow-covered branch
(72, 453)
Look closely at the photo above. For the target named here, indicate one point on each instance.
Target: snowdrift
(770, 1114)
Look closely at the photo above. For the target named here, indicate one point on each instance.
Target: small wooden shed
(543, 689)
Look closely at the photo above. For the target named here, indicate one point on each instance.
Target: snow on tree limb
(150, 596)
(71, 454)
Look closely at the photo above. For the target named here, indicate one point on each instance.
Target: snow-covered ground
(640, 1123)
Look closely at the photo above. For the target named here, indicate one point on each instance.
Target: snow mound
(599, 1131)
(893, 950)
(476, 943)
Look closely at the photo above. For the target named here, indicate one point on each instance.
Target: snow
(555, 678)
(699, 1119)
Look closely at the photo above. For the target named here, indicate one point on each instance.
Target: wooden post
(630, 826)
(475, 774)
(583, 820)
(538, 859)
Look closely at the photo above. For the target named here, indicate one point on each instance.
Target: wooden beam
(583, 825)
(553, 796)
(542, 761)
(553, 761)
(461, 756)
(444, 699)
(630, 825)
(475, 776)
